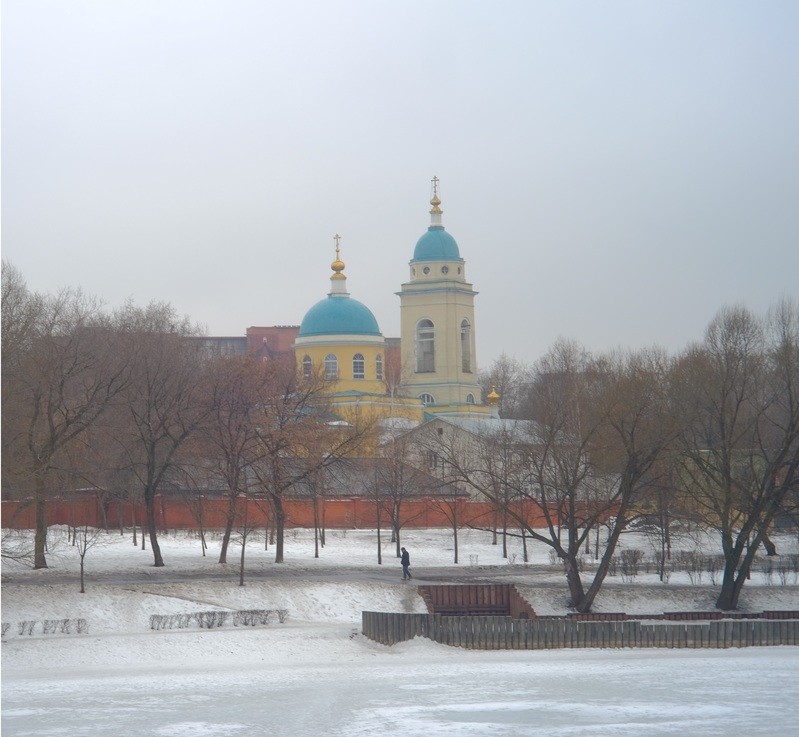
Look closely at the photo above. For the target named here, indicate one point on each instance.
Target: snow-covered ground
(315, 673)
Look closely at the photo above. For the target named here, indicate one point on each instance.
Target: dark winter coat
(405, 559)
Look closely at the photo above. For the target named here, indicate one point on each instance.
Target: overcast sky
(613, 172)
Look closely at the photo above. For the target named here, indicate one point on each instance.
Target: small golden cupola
(435, 201)
(338, 265)
(338, 282)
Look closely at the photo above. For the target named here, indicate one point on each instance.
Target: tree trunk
(379, 542)
(587, 600)
(201, 522)
(229, 522)
(576, 590)
(730, 591)
(153, 533)
(241, 561)
(768, 544)
(505, 532)
(735, 575)
(243, 543)
(40, 539)
(280, 524)
(104, 513)
(315, 528)
(525, 554)
(396, 535)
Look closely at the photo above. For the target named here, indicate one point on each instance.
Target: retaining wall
(476, 599)
(506, 633)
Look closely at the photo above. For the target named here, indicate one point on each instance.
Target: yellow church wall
(345, 352)
(369, 408)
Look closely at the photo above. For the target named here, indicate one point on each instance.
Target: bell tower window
(425, 347)
(379, 367)
(306, 367)
(466, 347)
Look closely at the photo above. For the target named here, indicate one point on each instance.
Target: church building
(437, 372)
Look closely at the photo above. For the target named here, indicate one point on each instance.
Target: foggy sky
(613, 172)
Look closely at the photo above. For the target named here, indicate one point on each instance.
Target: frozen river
(419, 689)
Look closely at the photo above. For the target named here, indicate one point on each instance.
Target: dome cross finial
(435, 201)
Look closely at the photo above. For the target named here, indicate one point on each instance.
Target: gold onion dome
(493, 397)
(337, 265)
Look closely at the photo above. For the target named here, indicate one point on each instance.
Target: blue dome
(436, 245)
(339, 315)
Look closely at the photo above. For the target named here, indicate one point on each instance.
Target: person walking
(405, 559)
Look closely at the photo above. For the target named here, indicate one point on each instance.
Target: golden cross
(434, 180)
(336, 238)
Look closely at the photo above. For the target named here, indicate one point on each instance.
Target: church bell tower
(439, 362)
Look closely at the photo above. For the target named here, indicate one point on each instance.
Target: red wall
(180, 514)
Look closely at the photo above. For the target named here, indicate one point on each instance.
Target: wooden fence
(506, 633)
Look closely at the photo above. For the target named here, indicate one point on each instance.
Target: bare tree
(296, 424)
(245, 528)
(449, 498)
(375, 491)
(163, 402)
(659, 509)
(316, 491)
(601, 425)
(236, 390)
(60, 371)
(397, 480)
(739, 393)
(638, 428)
(86, 538)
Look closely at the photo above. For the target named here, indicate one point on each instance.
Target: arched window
(427, 399)
(470, 399)
(358, 366)
(306, 367)
(379, 367)
(331, 366)
(425, 347)
(466, 347)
